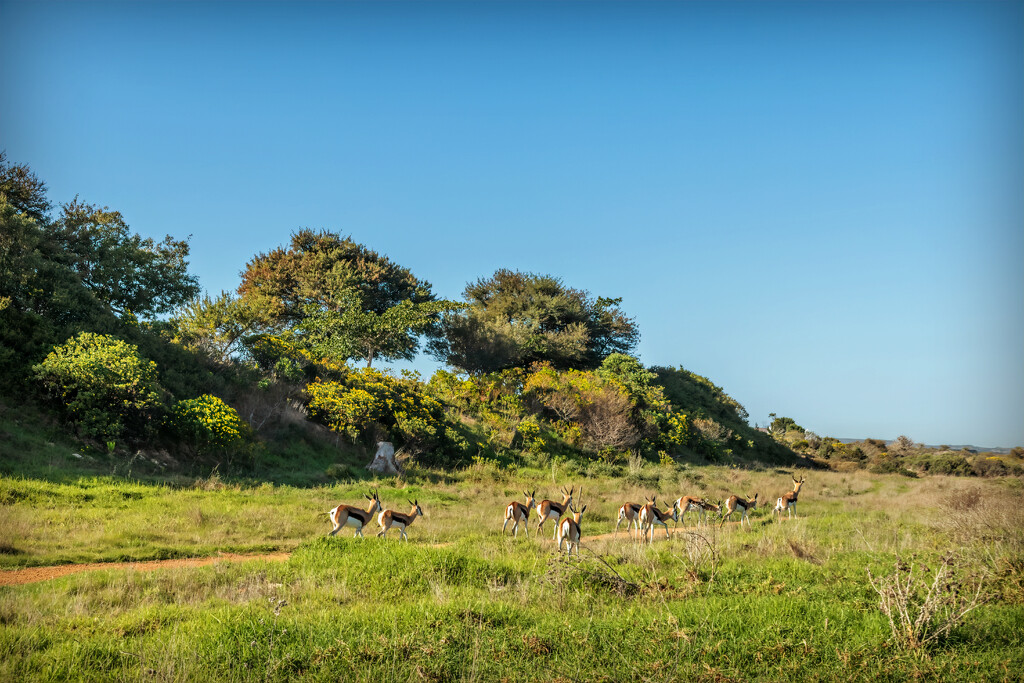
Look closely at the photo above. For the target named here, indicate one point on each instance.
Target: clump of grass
(920, 613)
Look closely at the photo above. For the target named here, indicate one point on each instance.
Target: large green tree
(514, 319)
(129, 273)
(342, 299)
(321, 269)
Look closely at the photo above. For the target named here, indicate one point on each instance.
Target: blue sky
(819, 206)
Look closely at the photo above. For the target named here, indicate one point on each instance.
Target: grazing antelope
(690, 504)
(390, 518)
(517, 512)
(788, 500)
(736, 503)
(569, 531)
(711, 507)
(547, 509)
(631, 513)
(651, 515)
(350, 515)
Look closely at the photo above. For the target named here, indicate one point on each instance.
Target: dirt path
(14, 577)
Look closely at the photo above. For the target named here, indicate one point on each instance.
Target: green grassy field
(462, 602)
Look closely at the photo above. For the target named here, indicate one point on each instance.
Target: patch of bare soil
(14, 577)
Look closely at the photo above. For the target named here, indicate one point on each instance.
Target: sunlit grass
(460, 601)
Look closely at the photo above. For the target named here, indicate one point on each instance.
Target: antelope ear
(583, 510)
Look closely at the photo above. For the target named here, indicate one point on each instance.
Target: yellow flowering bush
(677, 430)
(208, 423)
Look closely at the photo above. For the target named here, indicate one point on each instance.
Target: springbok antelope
(711, 507)
(788, 500)
(350, 515)
(736, 503)
(631, 513)
(548, 509)
(569, 531)
(651, 515)
(690, 504)
(517, 513)
(390, 518)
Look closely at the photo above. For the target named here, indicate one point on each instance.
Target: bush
(955, 465)
(103, 384)
(369, 405)
(922, 610)
(208, 424)
(887, 464)
(990, 467)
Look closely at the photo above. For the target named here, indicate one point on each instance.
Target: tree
(23, 189)
(515, 319)
(218, 326)
(353, 332)
(41, 300)
(343, 300)
(129, 273)
(320, 269)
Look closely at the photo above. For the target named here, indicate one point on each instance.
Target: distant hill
(953, 447)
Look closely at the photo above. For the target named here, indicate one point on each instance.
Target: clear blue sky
(819, 206)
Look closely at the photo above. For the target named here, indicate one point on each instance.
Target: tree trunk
(383, 462)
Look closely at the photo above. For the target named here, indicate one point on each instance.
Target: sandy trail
(15, 577)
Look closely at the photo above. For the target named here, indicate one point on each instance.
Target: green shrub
(951, 464)
(888, 464)
(103, 385)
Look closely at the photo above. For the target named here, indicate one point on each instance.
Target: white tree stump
(383, 462)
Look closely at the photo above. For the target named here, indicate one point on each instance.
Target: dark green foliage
(22, 189)
(516, 319)
(699, 396)
(131, 274)
(890, 464)
(319, 269)
(350, 332)
(947, 463)
(342, 300)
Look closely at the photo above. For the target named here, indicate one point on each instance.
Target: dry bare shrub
(272, 407)
(920, 613)
(607, 421)
(712, 431)
(701, 552)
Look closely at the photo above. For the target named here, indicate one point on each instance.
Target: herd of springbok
(567, 514)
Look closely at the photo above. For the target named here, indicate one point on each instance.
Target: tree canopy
(344, 300)
(321, 268)
(128, 272)
(23, 189)
(515, 319)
